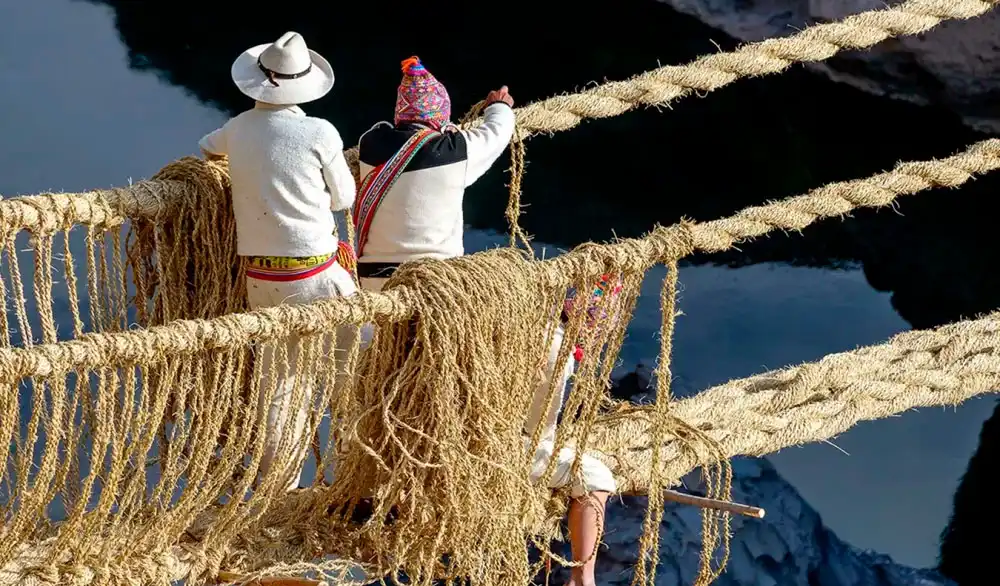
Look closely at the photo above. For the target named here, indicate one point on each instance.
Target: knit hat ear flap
(421, 97)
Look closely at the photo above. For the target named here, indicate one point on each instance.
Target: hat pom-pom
(412, 66)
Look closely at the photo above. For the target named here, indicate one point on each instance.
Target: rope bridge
(134, 441)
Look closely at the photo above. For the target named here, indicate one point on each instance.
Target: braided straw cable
(661, 86)
(794, 213)
(819, 42)
(661, 245)
(762, 414)
(842, 197)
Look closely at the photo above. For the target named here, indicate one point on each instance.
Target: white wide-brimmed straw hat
(284, 72)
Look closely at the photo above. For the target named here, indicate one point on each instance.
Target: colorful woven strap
(346, 257)
(379, 181)
(289, 263)
(288, 268)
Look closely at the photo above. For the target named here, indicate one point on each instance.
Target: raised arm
(488, 141)
(213, 145)
(336, 173)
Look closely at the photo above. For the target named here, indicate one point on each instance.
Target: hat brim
(250, 80)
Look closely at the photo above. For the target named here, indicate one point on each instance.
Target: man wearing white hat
(288, 175)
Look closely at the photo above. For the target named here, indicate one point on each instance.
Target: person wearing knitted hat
(415, 172)
(288, 176)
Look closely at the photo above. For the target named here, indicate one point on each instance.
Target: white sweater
(421, 216)
(288, 172)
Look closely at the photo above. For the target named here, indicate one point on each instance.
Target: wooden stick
(673, 495)
(707, 503)
(231, 578)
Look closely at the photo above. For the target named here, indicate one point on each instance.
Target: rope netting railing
(141, 446)
(207, 367)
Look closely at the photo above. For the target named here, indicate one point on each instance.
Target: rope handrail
(792, 213)
(661, 86)
(661, 245)
(656, 87)
(765, 413)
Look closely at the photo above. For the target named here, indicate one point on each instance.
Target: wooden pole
(672, 495)
(231, 578)
(707, 503)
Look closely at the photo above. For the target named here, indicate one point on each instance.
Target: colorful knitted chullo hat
(421, 97)
(598, 317)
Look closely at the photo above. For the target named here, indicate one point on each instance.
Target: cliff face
(788, 547)
(966, 557)
(954, 66)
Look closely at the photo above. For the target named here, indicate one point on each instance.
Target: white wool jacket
(421, 216)
(288, 175)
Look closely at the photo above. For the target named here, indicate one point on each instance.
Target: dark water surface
(76, 116)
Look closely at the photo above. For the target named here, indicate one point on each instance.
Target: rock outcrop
(789, 547)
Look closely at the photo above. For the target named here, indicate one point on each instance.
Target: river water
(76, 117)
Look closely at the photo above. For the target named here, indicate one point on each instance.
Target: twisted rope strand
(765, 413)
(661, 245)
(840, 198)
(661, 86)
(793, 213)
